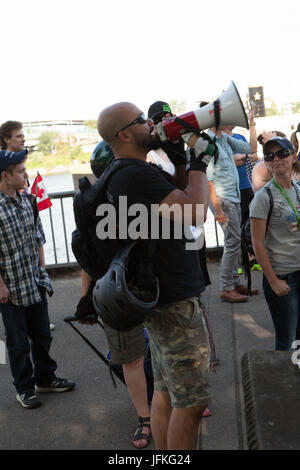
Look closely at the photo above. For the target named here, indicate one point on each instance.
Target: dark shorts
(180, 353)
(125, 346)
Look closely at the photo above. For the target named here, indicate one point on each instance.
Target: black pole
(99, 354)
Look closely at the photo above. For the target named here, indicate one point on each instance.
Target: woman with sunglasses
(261, 175)
(277, 244)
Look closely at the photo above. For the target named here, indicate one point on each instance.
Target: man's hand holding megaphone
(200, 150)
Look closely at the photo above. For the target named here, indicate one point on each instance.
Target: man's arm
(85, 282)
(180, 178)
(195, 193)
(252, 130)
(239, 158)
(220, 215)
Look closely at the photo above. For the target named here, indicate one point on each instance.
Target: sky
(68, 59)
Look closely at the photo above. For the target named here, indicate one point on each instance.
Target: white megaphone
(228, 110)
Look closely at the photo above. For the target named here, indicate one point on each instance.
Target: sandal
(206, 413)
(143, 422)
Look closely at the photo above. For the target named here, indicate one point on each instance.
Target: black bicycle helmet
(129, 290)
(101, 158)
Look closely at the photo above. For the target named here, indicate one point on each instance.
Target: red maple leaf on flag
(40, 192)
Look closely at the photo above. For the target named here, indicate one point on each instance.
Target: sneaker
(57, 385)
(240, 271)
(256, 267)
(52, 327)
(29, 400)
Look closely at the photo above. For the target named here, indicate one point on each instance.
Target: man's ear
(125, 137)
(2, 175)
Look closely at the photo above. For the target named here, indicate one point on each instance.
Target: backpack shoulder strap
(271, 200)
(32, 200)
(89, 194)
(115, 166)
(104, 180)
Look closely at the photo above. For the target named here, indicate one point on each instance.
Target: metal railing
(59, 223)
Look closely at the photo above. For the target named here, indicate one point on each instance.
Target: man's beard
(148, 142)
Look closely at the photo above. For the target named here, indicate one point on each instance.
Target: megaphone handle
(217, 114)
(189, 128)
(193, 140)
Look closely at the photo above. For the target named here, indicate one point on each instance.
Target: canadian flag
(38, 189)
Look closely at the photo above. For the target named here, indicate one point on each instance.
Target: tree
(90, 124)
(178, 107)
(295, 107)
(272, 110)
(76, 152)
(48, 141)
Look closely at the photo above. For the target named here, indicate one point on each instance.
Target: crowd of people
(234, 186)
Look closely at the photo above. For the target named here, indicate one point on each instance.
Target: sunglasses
(282, 153)
(160, 117)
(141, 119)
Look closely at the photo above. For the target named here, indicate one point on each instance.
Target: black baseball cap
(157, 108)
(8, 158)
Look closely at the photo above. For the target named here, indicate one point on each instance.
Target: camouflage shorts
(180, 352)
(125, 347)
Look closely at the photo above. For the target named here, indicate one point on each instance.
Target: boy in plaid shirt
(23, 286)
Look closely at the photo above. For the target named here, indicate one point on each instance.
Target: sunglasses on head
(141, 119)
(282, 153)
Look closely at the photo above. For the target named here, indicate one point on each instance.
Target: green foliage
(178, 107)
(272, 110)
(63, 154)
(295, 106)
(48, 142)
(76, 152)
(90, 124)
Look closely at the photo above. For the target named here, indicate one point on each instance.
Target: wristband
(194, 165)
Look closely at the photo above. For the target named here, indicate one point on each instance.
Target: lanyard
(287, 198)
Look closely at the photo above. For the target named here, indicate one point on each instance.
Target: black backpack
(93, 254)
(246, 242)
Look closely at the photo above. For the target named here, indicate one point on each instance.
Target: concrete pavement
(97, 416)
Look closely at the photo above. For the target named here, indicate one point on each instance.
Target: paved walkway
(95, 415)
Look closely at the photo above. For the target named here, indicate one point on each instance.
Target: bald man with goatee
(177, 331)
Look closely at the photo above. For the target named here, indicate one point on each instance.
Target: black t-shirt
(178, 269)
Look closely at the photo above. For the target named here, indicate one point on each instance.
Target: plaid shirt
(19, 260)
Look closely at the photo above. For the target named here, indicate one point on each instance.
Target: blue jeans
(21, 325)
(229, 278)
(285, 311)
